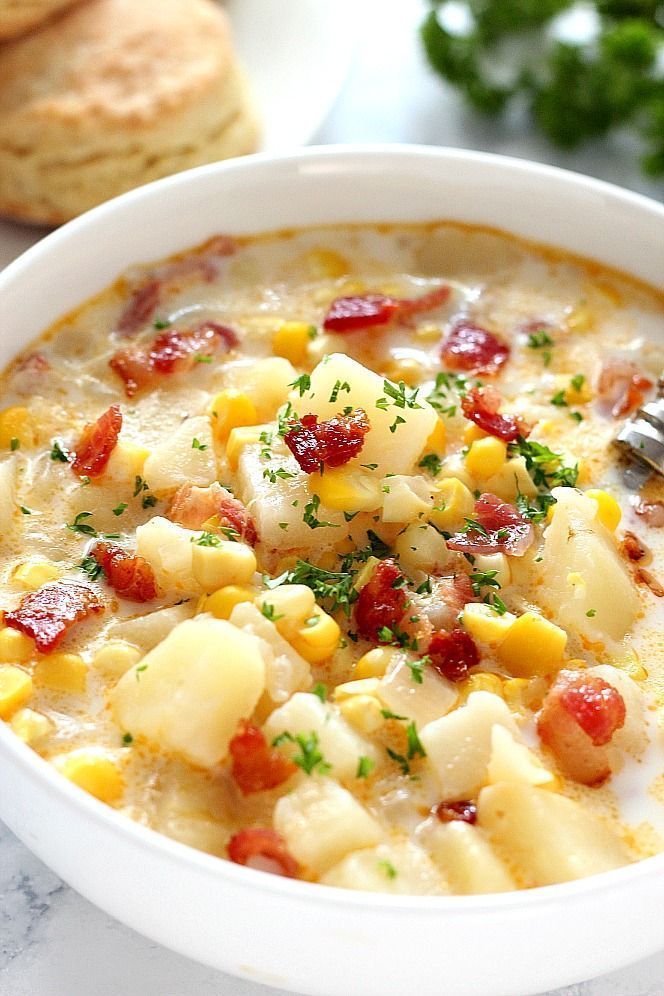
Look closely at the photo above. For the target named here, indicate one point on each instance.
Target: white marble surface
(53, 942)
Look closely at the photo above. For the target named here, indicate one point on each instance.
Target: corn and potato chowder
(317, 557)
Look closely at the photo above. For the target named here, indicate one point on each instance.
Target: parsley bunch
(513, 51)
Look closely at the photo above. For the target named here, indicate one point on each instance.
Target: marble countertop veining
(48, 933)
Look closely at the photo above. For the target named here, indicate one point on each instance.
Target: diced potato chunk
(145, 632)
(545, 837)
(511, 480)
(189, 693)
(485, 625)
(514, 762)
(169, 549)
(321, 822)
(421, 548)
(394, 452)
(400, 868)
(339, 744)
(266, 381)
(186, 457)
(458, 746)
(423, 701)
(405, 499)
(7, 497)
(285, 670)
(468, 860)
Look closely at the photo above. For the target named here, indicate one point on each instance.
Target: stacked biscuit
(104, 95)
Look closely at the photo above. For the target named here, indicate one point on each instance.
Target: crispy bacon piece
(96, 444)
(140, 308)
(621, 386)
(580, 715)
(500, 529)
(255, 765)
(382, 601)
(481, 406)
(193, 506)
(448, 812)
(652, 512)
(49, 613)
(633, 549)
(642, 576)
(471, 348)
(448, 597)
(453, 654)
(173, 351)
(264, 850)
(128, 575)
(331, 443)
(362, 311)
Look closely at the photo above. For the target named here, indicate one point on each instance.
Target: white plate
(296, 53)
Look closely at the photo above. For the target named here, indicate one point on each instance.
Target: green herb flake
(79, 525)
(365, 766)
(58, 453)
(119, 509)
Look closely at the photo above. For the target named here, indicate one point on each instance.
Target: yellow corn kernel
(608, 509)
(229, 410)
(364, 686)
(577, 391)
(116, 658)
(348, 491)
(428, 332)
(374, 663)
(31, 576)
(92, 771)
(15, 689)
(483, 681)
(452, 503)
(472, 433)
(15, 647)
(437, 441)
(364, 576)
(16, 423)
(291, 340)
(364, 712)
(405, 368)
(241, 436)
(485, 457)
(288, 604)
(215, 567)
(514, 690)
(580, 319)
(62, 672)
(485, 625)
(30, 726)
(630, 663)
(326, 264)
(221, 603)
(533, 646)
(318, 638)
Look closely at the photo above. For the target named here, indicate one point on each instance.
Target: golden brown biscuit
(112, 95)
(19, 16)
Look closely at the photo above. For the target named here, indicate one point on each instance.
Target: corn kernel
(374, 663)
(485, 457)
(215, 567)
(126, 461)
(514, 691)
(221, 603)
(364, 576)
(15, 647)
(92, 771)
(580, 319)
(482, 681)
(485, 625)
(348, 491)
(231, 409)
(30, 726)
(472, 433)
(15, 689)
(316, 640)
(452, 503)
(630, 663)
(32, 576)
(428, 332)
(577, 391)
(16, 423)
(437, 441)
(405, 368)
(326, 264)
(363, 686)
(420, 547)
(363, 712)
(608, 509)
(116, 658)
(293, 603)
(62, 672)
(291, 340)
(532, 646)
(241, 436)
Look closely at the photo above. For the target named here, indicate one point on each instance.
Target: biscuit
(112, 95)
(19, 16)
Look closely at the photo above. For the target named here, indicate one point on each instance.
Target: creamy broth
(457, 613)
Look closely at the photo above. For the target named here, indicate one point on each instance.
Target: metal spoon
(641, 440)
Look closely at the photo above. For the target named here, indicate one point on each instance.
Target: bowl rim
(46, 778)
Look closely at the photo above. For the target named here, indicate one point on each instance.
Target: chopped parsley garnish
(338, 387)
(369, 466)
(333, 588)
(93, 570)
(58, 453)
(577, 416)
(540, 339)
(139, 485)
(559, 400)
(320, 689)
(591, 613)
(545, 466)
(577, 382)
(536, 511)
(483, 579)
(301, 383)
(14, 444)
(160, 324)
(388, 868)
(400, 760)
(388, 714)
(473, 526)
(26, 511)
(281, 474)
(310, 758)
(270, 612)
(432, 463)
(202, 358)
(127, 739)
(445, 382)
(417, 669)
(119, 509)
(79, 525)
(400, 396)
(196, 444)
(414, 743)
(309, 517)
(139, 671)
(207, 539)
(365, 766)
(148, 501)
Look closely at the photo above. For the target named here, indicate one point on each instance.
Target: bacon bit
(448, 597)
(471, 348)
(500, 529)
(264, 850)
(362, 311)
(142, 305)
(49, 613)
(580, 715)
(382, 602)
(96, 444)
(453, 654)
(29, 373)
(256, 766)
(632, 548)
(193, 506)
(448, 812)
(652, 512)
(622, 386)
(331, 443)
(481, 406)
(173, 351)
(642, 576)
(129, 575)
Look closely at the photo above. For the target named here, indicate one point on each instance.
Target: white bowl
(310, 938)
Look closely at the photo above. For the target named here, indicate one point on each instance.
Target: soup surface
(317, 556)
